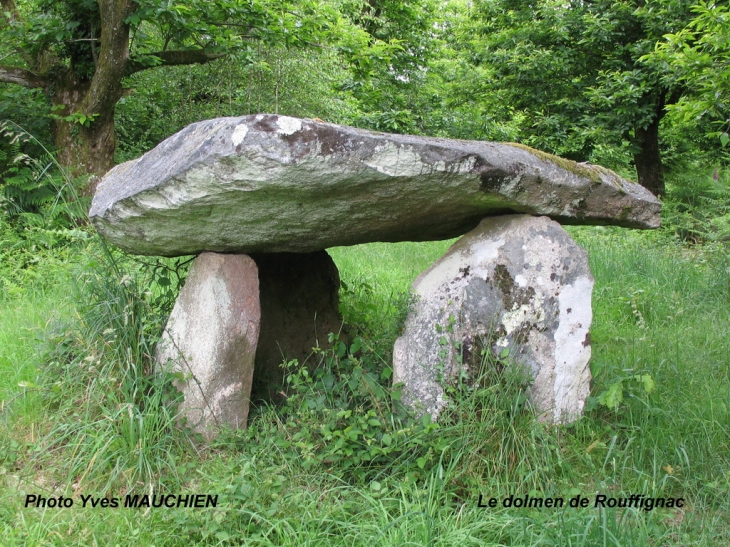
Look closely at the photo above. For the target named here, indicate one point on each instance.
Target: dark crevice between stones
(299, 309)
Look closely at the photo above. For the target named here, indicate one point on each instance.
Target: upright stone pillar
(211, 337)
(517, 283)
(299, 308)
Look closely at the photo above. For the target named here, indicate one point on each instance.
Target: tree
(389, 84)
(80, 51)
(699, 56)
(579, 71)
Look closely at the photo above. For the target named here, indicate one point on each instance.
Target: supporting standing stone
(299, 308)
(211, 338)
(515, 282)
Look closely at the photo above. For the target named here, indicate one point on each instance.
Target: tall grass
(100, 418)
(110, 420)
(660, 310)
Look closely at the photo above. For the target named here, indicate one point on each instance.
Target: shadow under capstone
(299, 296)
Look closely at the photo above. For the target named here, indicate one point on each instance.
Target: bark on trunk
(82, 149)
(85, 150)
(648, 160)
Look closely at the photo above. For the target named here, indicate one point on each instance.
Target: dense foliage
(621, 83)
(699, 55)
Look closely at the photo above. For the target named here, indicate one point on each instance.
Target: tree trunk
(82, 148)
(648, 160)
(85, 150)
(86, 144)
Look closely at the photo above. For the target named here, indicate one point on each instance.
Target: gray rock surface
(211, 338)
(515, 282)
(269, 183)
(299, 308)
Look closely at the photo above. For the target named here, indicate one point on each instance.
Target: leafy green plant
(167, 277)
(75, 117)
(627, 386)
(342, 415)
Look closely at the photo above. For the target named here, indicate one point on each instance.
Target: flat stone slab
(268, 183)
(517, 288)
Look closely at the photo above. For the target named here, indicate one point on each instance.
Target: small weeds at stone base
(344, 415)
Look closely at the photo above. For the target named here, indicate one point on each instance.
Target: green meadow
(341, 461)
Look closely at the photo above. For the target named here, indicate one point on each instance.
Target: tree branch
(172, 58)
(112, 59)
(21, 76)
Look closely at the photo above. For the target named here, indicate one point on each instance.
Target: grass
(22, 328)
(97, 425)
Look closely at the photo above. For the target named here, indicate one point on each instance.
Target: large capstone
(517, 287)
(211, 338)
(269, 183)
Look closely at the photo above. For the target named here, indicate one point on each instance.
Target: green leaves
(225, 25)
(625, 387)
(698, 56)
(342, 415)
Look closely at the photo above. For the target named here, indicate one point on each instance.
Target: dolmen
(260, 198)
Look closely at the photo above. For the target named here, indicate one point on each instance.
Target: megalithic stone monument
(268, 184)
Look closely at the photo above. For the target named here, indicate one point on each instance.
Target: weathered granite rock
(269, 183)
(516, 282)
(211, 338)
(299, 308)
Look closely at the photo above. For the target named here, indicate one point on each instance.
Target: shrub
(344, 415)
(697, 208)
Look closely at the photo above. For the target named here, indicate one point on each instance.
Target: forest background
(641, 87)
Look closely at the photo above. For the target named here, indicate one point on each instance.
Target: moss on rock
(569, 165)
